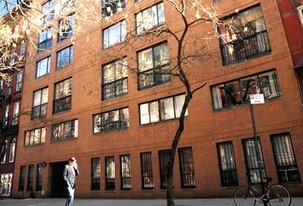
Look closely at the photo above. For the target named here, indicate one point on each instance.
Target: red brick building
(86, 102)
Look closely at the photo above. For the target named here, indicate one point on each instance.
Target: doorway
(58, 184)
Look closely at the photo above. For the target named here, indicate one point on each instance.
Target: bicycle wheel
(279, 195)
(244, 196)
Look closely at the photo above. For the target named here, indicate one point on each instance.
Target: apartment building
(100, 100)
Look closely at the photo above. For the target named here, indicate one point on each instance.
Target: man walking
(69, 175)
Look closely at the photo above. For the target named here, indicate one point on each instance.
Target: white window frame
(111, 37)
(43, 67)
(16, 113)
(19, 81)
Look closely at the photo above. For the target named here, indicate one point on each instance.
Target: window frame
(111, 4)
(252, 164)
(300, 12)
(163, 163)
(140, 14)
(106, 34)
(159, 71)
(42, 106)
(187, 171)
(95, 174)
(147, 178)
(30, 178)
(48, 11)
(31, 140)
(118, 66)
(155, 115)
(21, 185)
(110, 181)
(65, 57)
(64, 33)
(47, 69)
(265, 82)
(39, 174)
(227, 164)
(286, 164)
(62, 101)
(125, 172)
(66, 130)
(45, 40)
(108, 126)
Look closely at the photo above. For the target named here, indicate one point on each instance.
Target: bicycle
(274, 195)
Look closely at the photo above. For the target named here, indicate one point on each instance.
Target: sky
(3, 10)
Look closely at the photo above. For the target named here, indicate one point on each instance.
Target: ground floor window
(110, 173)
(227, 164)
(147, 170)
(163, 161)
(5, 184)
(125, 167)
(252, 154)
(39, 177)
(187, 170)
(30, 178)
(285, 158)
(95, 173)
(22, 178)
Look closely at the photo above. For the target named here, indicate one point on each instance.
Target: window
(4, 151)
(95, 173)
(153, 66)
(114, 34)
(67, 6)
(22, 178)
(285, 158)
(45, 40)
(150, 18)
(161, 110)
(66, 28)
(252, 154)
(22, 51)
(35, 136)
(16, 113)
(63, 96)
(227, 164)
(110, 173)
(65, 57)
(12, 151)
(110, 7)
(30, 178)
(19, 81)
(39, 177)
(48, 12)
(125, 169)
(163, 161)
(187, 170)
(147, 171)
(300, 11)
(237, 92)
(245, 38)
(115, 81)
(65, 130)
(111, 121)
(5, 119)
(43, 67)
(39, 108)
(6, 184)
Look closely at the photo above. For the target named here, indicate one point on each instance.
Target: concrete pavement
(296, 201)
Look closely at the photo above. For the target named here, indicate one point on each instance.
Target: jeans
(70, 197)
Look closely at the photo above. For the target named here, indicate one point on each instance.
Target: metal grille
(163, 161)
(187, 169)
(285, 159)
(95, 173)
(147, 171)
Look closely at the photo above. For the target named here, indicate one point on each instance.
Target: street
(296, 201)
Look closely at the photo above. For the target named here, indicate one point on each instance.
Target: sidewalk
(296, 201)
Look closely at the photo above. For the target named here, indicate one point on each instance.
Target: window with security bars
(227, 164)
(125, 169)
(286, 164)
(187, 170)
(163, 161)
(245, 37)
(95, 173)
(147, 170)
(110, 173)
(39, 177)
(252, 155)
(30, 178)
(22, 178)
